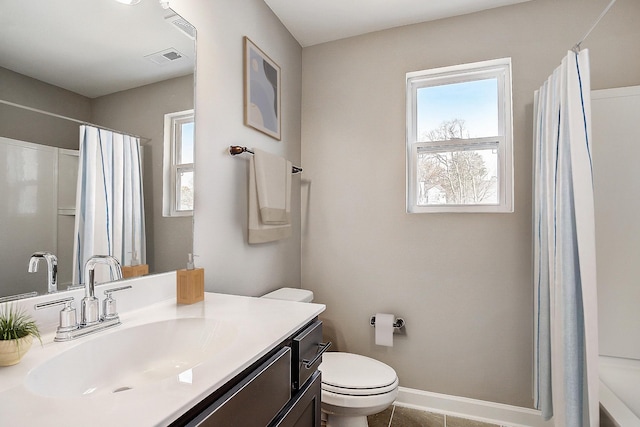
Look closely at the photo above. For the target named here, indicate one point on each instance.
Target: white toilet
(353, 386)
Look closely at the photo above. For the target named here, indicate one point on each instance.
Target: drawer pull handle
(322, 347)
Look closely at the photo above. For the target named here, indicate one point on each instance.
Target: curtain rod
(236, 149)
(576, 48)
(71, 119)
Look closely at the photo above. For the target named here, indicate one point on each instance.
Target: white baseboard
(490, 412)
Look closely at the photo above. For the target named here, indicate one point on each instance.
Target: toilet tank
(290, 294)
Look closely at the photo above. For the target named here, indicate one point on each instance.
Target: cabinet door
(304, 408)
(256, 400)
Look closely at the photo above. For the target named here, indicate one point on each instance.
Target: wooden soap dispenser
(190, 283)
(135, 269)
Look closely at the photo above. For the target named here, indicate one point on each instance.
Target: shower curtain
(109, 201)
(566, 346)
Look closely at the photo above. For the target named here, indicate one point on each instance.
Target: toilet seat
(355, 375)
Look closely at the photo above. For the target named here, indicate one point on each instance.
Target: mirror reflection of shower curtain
(566, 307)
(109, 201)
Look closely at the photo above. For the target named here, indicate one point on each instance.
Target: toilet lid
(291, 294)
(347, 373)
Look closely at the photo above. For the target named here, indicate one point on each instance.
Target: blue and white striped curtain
(566, 328)
(109, 200)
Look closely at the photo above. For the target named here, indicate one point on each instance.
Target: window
(177, 199)
(459, 138)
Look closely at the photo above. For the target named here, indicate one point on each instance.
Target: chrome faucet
(69, 329)
(90, 305)
(52, 268)
(90, 319)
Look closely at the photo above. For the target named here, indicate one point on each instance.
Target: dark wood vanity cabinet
(282, 389)
(304, 407)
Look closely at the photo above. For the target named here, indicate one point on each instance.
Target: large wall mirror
(118, 66)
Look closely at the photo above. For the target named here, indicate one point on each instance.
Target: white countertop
(260, 325)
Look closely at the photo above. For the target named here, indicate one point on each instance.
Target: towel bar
(236, 149)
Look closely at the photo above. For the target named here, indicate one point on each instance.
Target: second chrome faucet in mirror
(52, 268)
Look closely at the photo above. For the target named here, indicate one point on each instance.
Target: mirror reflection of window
(178, 164)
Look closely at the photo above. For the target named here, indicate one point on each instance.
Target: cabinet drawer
(307, 347)
(256, 400)
(304, 409)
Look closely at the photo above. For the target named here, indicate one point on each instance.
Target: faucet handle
(18, 296)
(68, 319)
(109, 311)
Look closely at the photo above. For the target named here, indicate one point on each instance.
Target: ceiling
(313, 22)
(97, 47)
(92, 47)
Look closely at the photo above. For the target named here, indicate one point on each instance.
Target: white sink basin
(128, 358)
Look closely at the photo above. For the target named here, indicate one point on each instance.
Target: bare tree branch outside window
(453, 176)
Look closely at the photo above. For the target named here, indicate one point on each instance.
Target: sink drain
(119, 389)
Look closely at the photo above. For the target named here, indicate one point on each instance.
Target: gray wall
(462, 282)
(34, 127)
(231, 264)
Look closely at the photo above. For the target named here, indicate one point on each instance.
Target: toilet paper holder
(397, 324)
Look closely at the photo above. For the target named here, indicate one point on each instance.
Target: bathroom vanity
(280, 390)
(225, 361)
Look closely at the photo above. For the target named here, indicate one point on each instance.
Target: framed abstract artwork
(261, 91)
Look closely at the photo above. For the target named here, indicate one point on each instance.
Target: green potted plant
(17, 330)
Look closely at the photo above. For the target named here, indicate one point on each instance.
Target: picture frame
(261, 91)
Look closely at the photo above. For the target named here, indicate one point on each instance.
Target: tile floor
(398, 416)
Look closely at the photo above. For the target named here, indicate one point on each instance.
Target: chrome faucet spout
(52, 268)
(89, 306)
(89, 267)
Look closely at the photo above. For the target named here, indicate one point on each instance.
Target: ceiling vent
(165, 56)
(180, 23)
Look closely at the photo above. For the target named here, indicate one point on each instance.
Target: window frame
(497, 68)
(171, 168)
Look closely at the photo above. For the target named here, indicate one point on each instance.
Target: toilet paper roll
(384, 329)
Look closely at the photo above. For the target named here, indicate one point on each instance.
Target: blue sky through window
(187, 142)
(475, 102)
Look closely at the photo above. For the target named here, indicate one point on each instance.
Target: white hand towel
(273, 179)
(258, 231)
